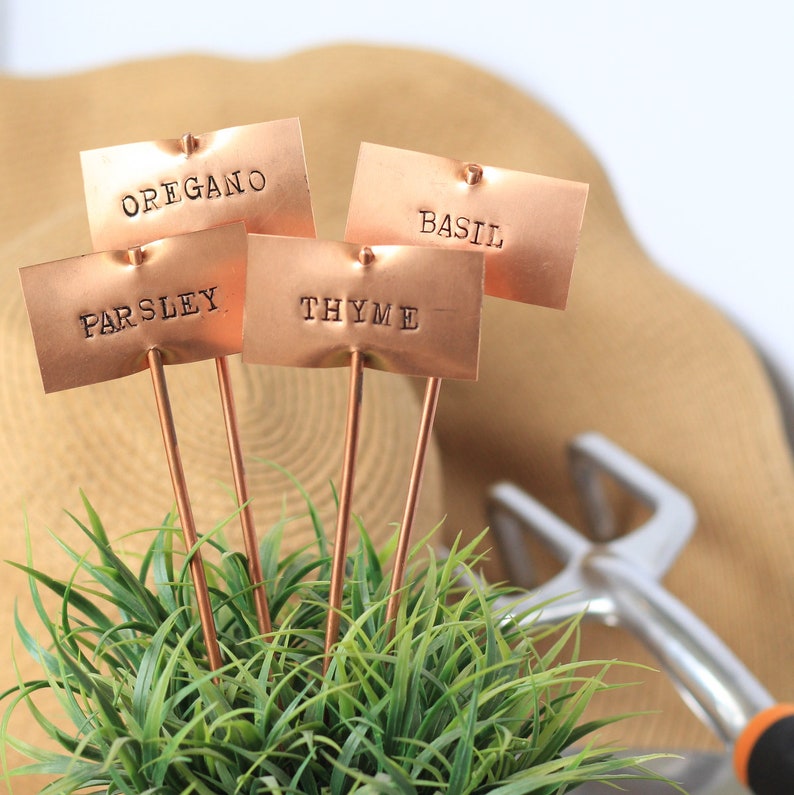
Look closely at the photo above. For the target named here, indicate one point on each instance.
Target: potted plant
(455, 697)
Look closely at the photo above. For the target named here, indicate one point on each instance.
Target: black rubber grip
(770, 767)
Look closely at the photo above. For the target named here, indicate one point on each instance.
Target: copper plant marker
(411, 309)
(144, 191)
(110, 314)
(254, 173)
(404, 309)
(527, 226)
(95, 317)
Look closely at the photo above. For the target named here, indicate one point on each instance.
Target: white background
(688, 105)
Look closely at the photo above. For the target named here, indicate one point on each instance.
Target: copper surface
(94, 318)
(243, 496)
(256, 173)
(526, 225)
(412, 310)
(155, 363)
(335, 592)
(429, 406)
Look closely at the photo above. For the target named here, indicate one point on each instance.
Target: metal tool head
(650, 548)
(615, 579)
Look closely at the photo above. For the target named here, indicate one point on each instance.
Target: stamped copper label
(526, 225)
(409, 309)
(145, 191)
(95, 317)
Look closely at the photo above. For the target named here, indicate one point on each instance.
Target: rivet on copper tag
(95, 317)
(256, 173)
(526, 225)
(409, 309)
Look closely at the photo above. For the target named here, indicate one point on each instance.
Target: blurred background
(688, 105)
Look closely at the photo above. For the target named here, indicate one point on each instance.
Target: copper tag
(526, 225)
(408, 309)
(95, 317)
(145, 191)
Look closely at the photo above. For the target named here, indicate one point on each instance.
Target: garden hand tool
(615, 579)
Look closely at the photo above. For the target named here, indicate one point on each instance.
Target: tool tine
(512, 512)
(655, 544)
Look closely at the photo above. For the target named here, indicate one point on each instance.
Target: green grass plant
(458, 699)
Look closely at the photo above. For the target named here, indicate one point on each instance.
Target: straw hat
(636, 356)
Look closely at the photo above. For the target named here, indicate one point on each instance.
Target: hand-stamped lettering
(89, 321)
(332, 310)
(188, 307)
(380, 314)
(307, 300)
(167, 308)
(358, 305)
(478, 233)
(409, 319)
(164, 307)
(208, 292)
(357, 310)
(146, 305)
(193, 188)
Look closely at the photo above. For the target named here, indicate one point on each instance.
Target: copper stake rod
(155, 362)
(188, 143)
(243, 498)
(429, 406)
(529, 257)
(345, 499)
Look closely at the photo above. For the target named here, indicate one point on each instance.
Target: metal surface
(255, 174)
(155, 363)
(615, 579)
(698, 772)
(617, 582)
(144, 191)
(404, 309)
(526, 225)
(354, 398)
(429, 406)
(94, 318)
(411, 310)
(111, 314)
(250, 541)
